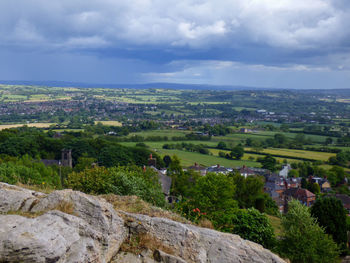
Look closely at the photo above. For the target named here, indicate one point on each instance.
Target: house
(273, 189)
(280, 203)
(219, 169)
(304, 196)
(324, 184)
(294, 182)
(165, 182)
(285, 170)
(260, 171)
(199, 168)
(245, 171)
(245, 130)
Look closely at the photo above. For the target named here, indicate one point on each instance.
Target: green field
(110, 123)
(321, 156)
(189, 158)
(37, 125)
(248, 156)
(168, 133)
(231, 139)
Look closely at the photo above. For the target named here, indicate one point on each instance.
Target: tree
(252, 225)
(268, 162)
(84, 162)
(304, 183)
(315, 188)
(247, 189)
(213, 194)
(114, 156)
(303, 240)
(336, 175)
(237, 152)
(331, 215)
(328, 140)
(167, 160)
(221, 145)
(280, 139)
(293, 173)
(175, 166)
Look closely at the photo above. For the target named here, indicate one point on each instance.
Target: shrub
(252, 225)
(120, 181)
(303, 240)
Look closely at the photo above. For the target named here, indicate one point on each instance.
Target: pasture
(110, 123)
(36, 125)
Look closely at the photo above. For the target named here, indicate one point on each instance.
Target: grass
(276, 224)
(37, 188)
(37, 125)
(110, 123)
(328, 167)
(168, 133)
(63, 206)
(321, 156)
(252, 156)
(189, 158)
(134, 204)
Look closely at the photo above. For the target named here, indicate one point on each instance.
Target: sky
(296, 44)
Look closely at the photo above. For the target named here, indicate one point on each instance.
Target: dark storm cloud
(295, 35)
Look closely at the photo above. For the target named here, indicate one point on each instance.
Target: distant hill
(129, 86)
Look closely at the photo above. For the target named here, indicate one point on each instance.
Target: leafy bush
(303, 240)
(252, 225)
(28, 171)
(120, 181)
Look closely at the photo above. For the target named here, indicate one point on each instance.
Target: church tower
(66, 159)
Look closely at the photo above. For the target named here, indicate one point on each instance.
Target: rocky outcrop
(87, 229)
(69, 226)
(196, 244)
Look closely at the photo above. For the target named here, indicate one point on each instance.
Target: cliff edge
(70, 226)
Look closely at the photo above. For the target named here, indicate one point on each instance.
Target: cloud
(295, 24)
(255, 75)
(256, 35)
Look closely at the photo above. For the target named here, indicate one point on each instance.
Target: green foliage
(303, 240)
(83, 163)
(331, 215)
(252, 225)
(247, 189)
(336, 175)
(28, 171)
(293, 173)
(237, 152)
(114, 156)
(167, 160)
(118, 180)
(271, 207)
(183, 182)
(213, 192)
(222, 145)
(315, 188)
(213, 195)
(268, 162)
